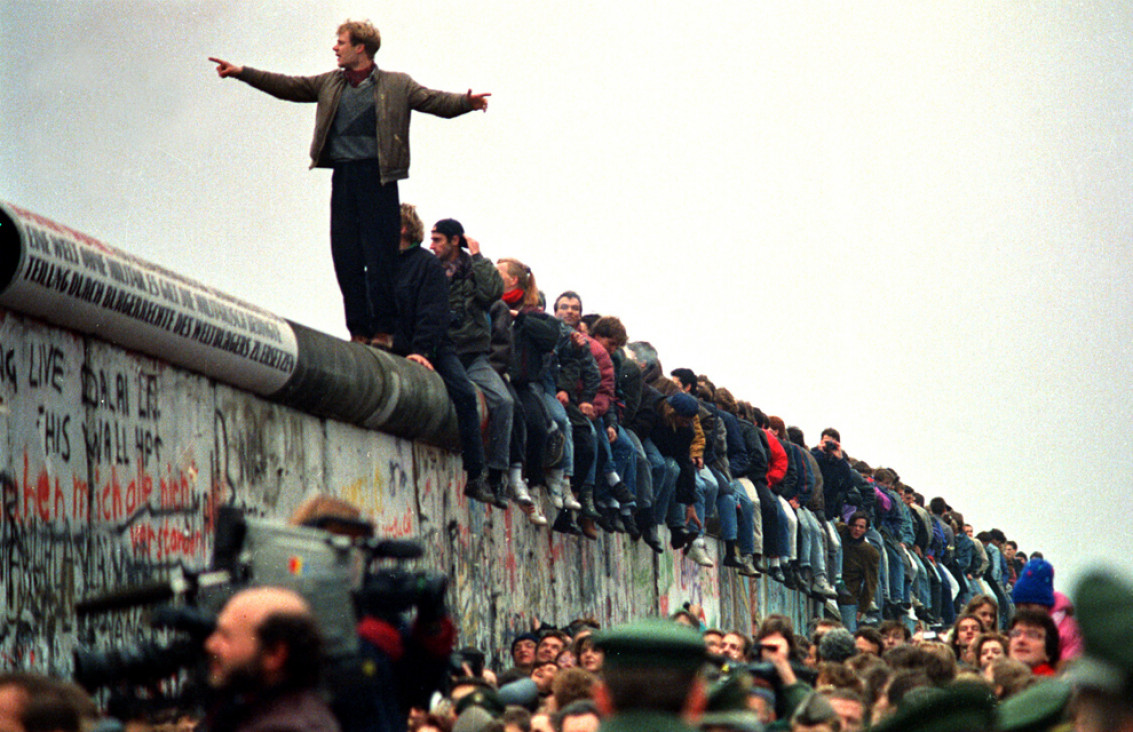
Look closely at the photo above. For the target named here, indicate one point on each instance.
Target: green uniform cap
(652, 643)
(964, 706)
(1103, 605)
(1037, 709)
(727, 704)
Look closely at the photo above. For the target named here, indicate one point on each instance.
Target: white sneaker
(569, 501)
(699, 553)
(534, 515)
(555, 493)
(520, 494)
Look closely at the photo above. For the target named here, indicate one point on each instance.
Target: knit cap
(1035, 584)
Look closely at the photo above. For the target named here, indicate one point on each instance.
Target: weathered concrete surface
(112, 466)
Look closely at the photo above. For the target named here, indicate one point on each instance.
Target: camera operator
(264, 664)
(401, 664)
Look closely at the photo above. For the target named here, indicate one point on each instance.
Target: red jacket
(776, 461)
(606, 393)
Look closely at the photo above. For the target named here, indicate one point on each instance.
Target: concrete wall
(112, 465)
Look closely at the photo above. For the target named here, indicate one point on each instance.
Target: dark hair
(1012, 543)
(1041, 619)
(859, 515)
(905, 681)
(938, 505)
(589, 320)
(569, 294)
(832, 433)
(686, 376)
(300, 634)
(795, 435)
(780, 624)
(887, 626)
(873, 636)
(998, 535)
(610, 327)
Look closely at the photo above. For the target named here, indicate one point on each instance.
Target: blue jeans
(501, 409)
(746, 538)
(812, 551)
(558, 415)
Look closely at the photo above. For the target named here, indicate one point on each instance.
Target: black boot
(498, 484)
(565, 523)
(604, 519)
(478, 490)
(621, 492)
(631, 526)
(586, 498)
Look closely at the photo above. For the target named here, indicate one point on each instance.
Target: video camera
(342, 578)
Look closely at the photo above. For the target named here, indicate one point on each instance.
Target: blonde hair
(411, 222)
(524, 280)
(364, 32)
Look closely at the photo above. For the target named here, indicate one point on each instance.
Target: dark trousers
(365, 227)
(769, 515)
(537, 425)
(463, 396)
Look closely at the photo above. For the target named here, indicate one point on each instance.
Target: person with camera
(264, 665)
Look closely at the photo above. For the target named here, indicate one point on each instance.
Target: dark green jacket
(472, 289)
(644, 721)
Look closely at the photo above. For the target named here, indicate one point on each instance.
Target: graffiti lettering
(47, 365)
(108, 391)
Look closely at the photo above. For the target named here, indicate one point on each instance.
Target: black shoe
(477, 489)
(617, 523)
(760, 565)
(649, 536)
(678, 537)
(731, 560)
(776, 574)
(790, 579)
(565, 523)
(499, 493)
(605, 521)
(631, 526)
(622, 493)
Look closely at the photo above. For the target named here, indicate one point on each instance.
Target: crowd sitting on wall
(579, 413)
(662, 674)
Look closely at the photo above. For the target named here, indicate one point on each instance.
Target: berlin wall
(117, 450)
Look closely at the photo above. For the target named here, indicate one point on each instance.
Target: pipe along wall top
(67, 278)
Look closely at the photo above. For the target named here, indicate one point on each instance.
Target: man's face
(893, 639)
(523, 654)
(1028, 644)
(969, 530)
(990, 651)
(864, 645)
(445, 247)
(606, 343)
(569, 310)
(908, 498)
(966, 631)
(851, 714)
(581, 723)
(349, 54)
(543, 675)
(714, 643)
(732, 647)
(1009, 552)
(548, 649)
(858, 528)
(233, 648)
(986, 613)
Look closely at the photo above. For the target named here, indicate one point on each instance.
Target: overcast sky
(907, 220)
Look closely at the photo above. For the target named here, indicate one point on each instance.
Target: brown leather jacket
(395, 96)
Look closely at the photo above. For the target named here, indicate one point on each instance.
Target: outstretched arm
(225, 69)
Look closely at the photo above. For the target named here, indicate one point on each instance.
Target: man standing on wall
(362, 133)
